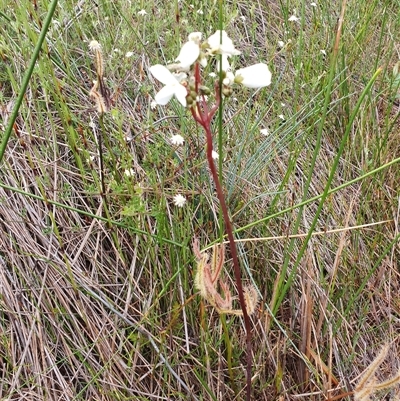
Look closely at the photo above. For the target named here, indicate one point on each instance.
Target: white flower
(225, 63)
(129, 54)
(220, 43)
(195, 37)
(293, 18)
(179, 200)
(281, 116)
(264, 132)
(142, 13)
(177, 140)
(214, 155)
(281, 43)
(243, 18)
(313, 4)
(189, 53)
(203, 60)
(323, 52)
(212, 74)
(255, 76)
(129, 172)
(94, 45)
(153, 104)
(229, 79)
(172, 86)
(200, 12)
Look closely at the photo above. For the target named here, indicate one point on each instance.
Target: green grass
(97, 298)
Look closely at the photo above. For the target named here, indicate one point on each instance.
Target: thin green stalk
(101, 162)
(228, 355)
(220, 116)
(313, 199)
(366, 279)
(27, 77)
(299, 55)
(88, 214)
(138, 327)
(326, 190)
(277, 297)
(103, 187)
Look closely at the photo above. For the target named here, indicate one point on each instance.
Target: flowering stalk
(190, 92)
(204, 117)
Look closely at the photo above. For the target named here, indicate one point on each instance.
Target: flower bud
(204, 90)
(190, 100)
(227, 91)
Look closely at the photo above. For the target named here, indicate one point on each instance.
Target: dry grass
(97, 313)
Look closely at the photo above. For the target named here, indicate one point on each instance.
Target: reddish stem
(235, 259)
(203, 116)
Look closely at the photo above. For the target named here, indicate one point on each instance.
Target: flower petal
(220, 43)
(180, 92)
(255, 76)
(177, 140)
(162, 74)
(179, 200)
(195, 37)
(225, 63)
(165, 95)
(189, 53)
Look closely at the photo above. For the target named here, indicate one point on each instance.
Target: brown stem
(203, 116)
(235, 259)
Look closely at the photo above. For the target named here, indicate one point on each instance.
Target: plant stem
(203, 115)
(27, 77)
(228, 345)
(101, 163)
(235, 259)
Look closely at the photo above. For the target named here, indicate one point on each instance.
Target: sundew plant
(199, 200)
(186, 83)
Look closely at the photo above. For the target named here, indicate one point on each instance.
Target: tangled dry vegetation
(93, 311)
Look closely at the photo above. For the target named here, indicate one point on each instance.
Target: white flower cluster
(179, 200)
(181, 82)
